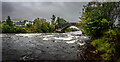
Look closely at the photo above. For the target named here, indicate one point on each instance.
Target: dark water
(42, 46)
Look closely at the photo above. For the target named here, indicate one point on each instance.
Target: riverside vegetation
(38, 26)
(98, 22)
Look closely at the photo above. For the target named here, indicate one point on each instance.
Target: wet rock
(73, 47)
(47, 47)
(62, 57)
(51, 52)
(42, 51)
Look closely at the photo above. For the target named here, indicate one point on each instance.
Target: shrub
(107, 44)
(95, 28)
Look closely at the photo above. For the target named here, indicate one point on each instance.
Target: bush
(6, 28)
(95, 28)
(19, 30)
(107, 44)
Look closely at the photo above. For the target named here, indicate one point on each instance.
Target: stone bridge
(61, 27)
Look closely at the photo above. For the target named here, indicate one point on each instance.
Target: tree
(40, 25)
(94, 15)
(8, 26)
(53, 19)
(9, 22)
(5, 27)
(98, 22)
(51, 28)
(60, 21)
(37, 24)
(106, 10)
(45, 28)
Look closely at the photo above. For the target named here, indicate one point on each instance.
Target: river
(43, 46)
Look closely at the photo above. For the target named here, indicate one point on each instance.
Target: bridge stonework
(61, 27)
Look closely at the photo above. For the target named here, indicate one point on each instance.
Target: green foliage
(41, 26)
(19, 30)
(0, 28)
(98, 22)
(45, 28)
(51, 28)
(37, 25)
(96, 19)
(9, 22)
(29, 25)
(30, 29)
(95, 28)
(60, 21)
(6, 28)
(107, 44)
(71, 29)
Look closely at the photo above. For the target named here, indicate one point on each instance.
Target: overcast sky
(59, 0)
(70, 11)
(31, 9)
(47, 0)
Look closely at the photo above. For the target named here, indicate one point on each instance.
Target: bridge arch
(61, 27)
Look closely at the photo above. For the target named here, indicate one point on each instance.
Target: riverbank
(90, 54)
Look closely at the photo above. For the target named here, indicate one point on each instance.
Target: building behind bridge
(20, 23)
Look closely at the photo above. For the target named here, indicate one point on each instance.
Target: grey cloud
(47, 0)
(60, 0)
(31, 10)
(0, 10)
